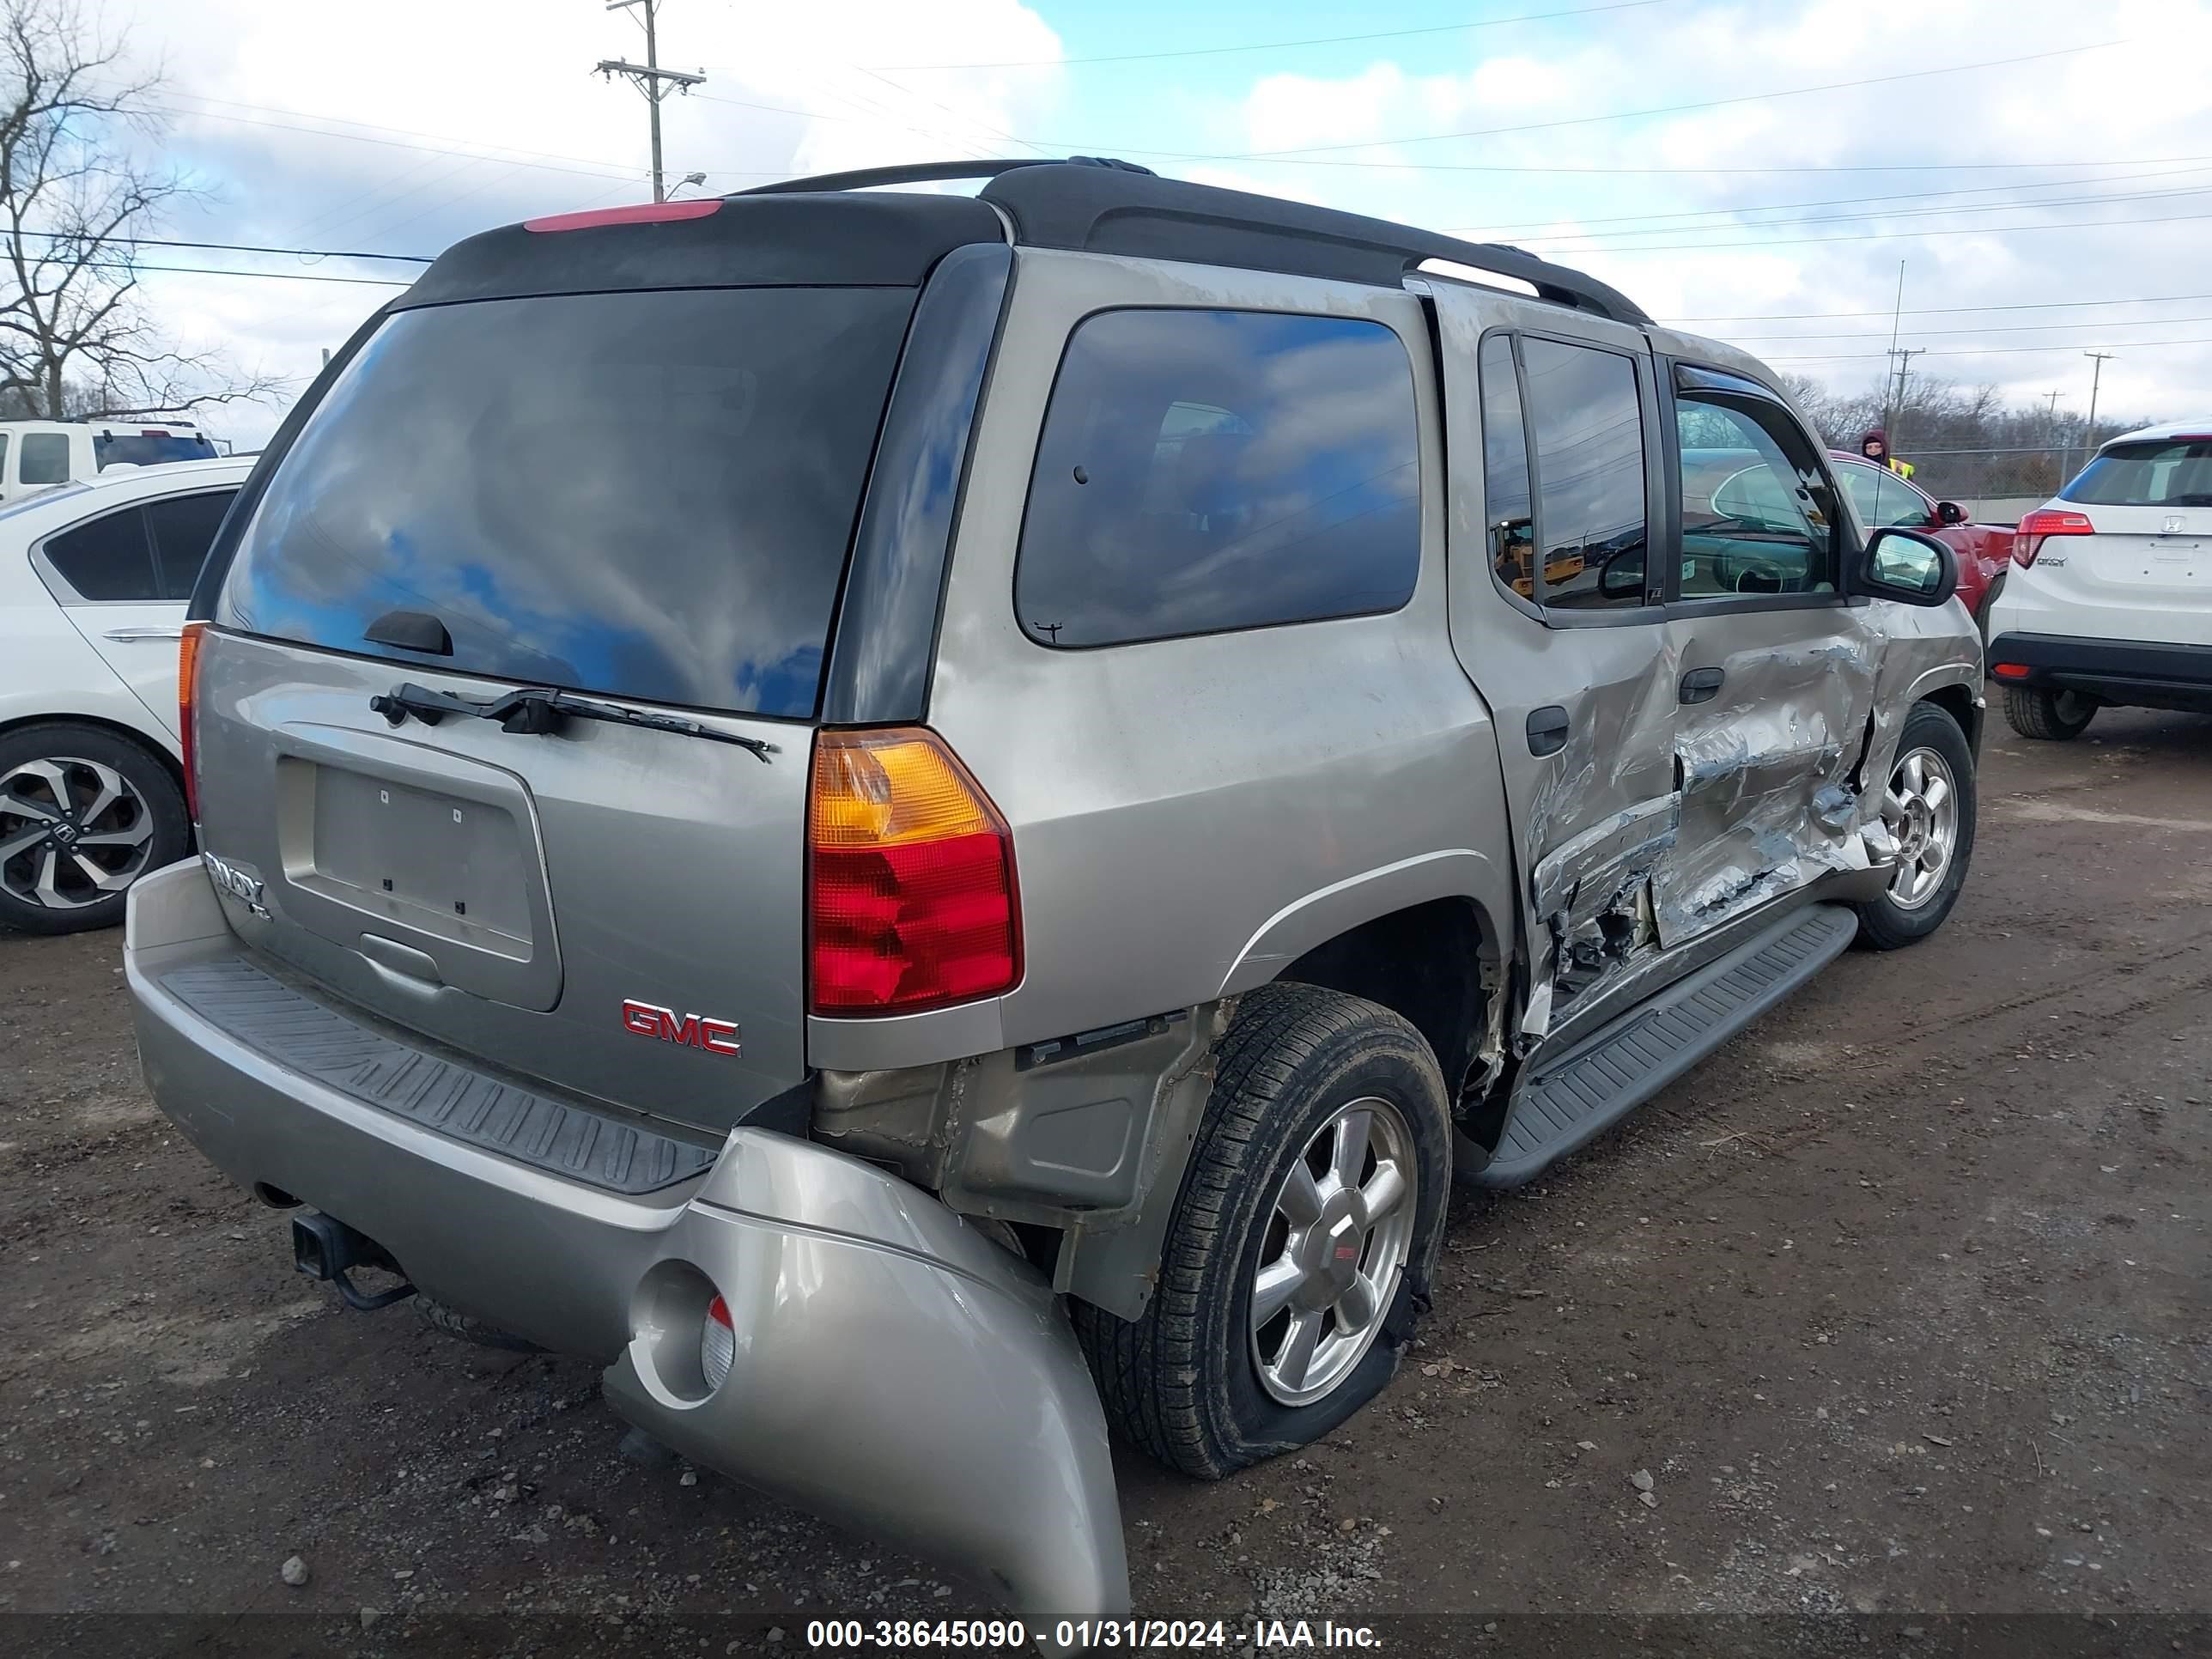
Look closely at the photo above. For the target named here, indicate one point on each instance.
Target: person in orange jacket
(1875, 446)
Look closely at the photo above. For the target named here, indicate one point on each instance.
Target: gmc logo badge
(716, 1037)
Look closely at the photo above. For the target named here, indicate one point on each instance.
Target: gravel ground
(1883, 1331)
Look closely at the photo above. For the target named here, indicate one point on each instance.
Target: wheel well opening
(113, 728)
(1423, 963)
(1957, 701)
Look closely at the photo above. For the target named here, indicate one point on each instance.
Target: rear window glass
(648, 494)
(2173, 473)
(148, 449)
(1203, 471)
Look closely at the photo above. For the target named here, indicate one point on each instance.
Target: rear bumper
(895, 1370)
(2119, 670)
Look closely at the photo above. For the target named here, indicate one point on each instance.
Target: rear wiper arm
(536, 710)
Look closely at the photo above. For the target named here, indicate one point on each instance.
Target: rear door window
(108, 559)
(649, 494)
(1587, 421)
(183, 527)
(45, 459)
(1203, 471)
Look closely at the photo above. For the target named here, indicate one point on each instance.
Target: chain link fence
(1994, 485)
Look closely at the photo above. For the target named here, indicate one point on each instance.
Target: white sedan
(94, 579)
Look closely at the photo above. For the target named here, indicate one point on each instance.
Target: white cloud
(460, 116)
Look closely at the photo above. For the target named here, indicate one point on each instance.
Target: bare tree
(76, 336)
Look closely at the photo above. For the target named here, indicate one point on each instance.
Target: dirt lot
(1901, 1302)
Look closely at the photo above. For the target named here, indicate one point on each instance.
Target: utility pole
(2096, 374)
(1904, 354)
(650, 78)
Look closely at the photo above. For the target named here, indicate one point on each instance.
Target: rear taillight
(718, 1344)
(2040, 525)
(188, 678)
(910, 878)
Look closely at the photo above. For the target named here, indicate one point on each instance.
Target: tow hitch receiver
(324, 1248)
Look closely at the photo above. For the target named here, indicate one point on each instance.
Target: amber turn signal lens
(910, 878)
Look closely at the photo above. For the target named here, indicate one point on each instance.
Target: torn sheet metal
(1767, 800)
(1091, 1140)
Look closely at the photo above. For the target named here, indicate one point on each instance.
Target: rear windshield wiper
(536, 710)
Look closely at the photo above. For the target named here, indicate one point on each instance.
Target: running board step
(1565, 1103)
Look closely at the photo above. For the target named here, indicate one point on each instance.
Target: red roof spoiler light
(638, 213)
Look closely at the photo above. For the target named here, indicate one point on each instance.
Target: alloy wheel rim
(1340, 1230)
(1921, 810)
(72, 832)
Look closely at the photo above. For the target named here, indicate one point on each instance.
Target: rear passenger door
(123, 579)
(1777, 665)
(1551, 418)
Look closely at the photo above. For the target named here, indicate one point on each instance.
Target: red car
(1883, 499)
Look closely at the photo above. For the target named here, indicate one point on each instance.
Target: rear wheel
(1298, 1258)
(2047, 714)
(83, 813)
(1928, 808)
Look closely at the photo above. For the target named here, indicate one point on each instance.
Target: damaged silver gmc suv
(931, 824)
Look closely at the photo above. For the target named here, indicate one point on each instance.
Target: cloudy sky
(2043, 168)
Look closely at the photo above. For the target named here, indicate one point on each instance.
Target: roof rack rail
(931, 173)
(1096, 205)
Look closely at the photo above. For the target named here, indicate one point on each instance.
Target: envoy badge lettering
(716, 1037)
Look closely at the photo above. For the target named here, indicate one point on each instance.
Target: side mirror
(1950, 513)
(1908, 566)
(1621, 577)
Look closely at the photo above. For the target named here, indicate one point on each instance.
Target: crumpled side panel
(1765, 768)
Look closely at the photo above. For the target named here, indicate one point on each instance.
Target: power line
(1878, 235)
(1662, 109)
(231, 247)
(439, 145)
(1524, 226)
(1946, 311)
(1606, 241)
(280, 276)
(2023, 328)
(1287, 46)
(1987, 351)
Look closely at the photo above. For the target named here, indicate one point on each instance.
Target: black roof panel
(830, 238)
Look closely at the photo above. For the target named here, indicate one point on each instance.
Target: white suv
(93, 578)
(2111, 599)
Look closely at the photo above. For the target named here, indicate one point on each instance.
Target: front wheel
(2047, 714)
(1300, 1254)
(1929, 809)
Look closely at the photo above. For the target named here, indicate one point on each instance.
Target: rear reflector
(718, 1344)
(638, 213)
(2040, 525)
(188, 675)
(2010, 671)
(910, 878)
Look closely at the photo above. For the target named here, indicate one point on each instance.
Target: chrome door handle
(127, 635)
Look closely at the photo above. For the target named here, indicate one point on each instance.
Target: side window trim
(1642, 365)
(1681, 376)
